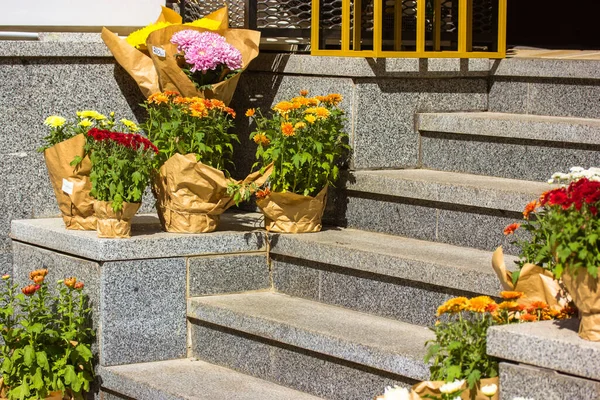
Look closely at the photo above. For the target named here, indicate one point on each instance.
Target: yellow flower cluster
(91, 114)
(132, 126)
(296, 103)
(195, 106)
(54, 121)
(138, 38)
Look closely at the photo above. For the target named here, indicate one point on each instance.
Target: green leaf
(453, 372)
(84, 351)
(70, 375)
(38, 380)
(473, 378)
(28, 355)
(42, 360)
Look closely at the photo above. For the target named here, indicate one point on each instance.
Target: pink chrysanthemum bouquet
(206, 57)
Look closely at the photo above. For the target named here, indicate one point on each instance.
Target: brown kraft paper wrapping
(191, 196)
(293, 213)
(139, 64)
(57, 395)
(537, 283)
(433, 388)
(76, 208)
(172, 77)
(114, 225)
(585, 292)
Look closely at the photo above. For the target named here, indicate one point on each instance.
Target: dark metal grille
(195, 9)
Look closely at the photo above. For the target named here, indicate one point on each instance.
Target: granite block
(55, 48)
(6, 263)
(109, 395)
(409, 301)
(189, 379)
(553, 345)
(142, 313)
(546, 68)
(299, 369)
(428, 262)
(508, 95)
(364, 339)
(516, 126)
(393, 215)
(384, 132)
(543, 384)
(236, 234)
(504, 157)
(478, 228)
(566, 98)
(228, 274)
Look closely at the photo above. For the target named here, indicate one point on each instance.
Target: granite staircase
(342, 313)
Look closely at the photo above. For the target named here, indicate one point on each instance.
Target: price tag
(67, 186)
(159, 51)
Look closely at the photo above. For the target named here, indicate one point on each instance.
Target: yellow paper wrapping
(138, 63)
(172, 77)
(191, 196)
(585, 292)
(111, 224)
(293, 213)
(537, 283)
(433, 388)
(76, 207)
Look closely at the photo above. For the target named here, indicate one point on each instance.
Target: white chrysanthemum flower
(576, 169)
(452, 387)
(395, 393)
(489, 390)
(522, 398)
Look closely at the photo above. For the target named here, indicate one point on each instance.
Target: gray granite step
(455, 208)
(517, 146)
(238, 232)
(187, 379)
(316, 348)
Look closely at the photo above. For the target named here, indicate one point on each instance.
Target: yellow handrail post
(314, 26)
(345, 25)
(377, 27)
(421, 10)
(502, 27)
(463, 13)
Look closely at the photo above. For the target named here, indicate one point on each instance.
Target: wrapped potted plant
(564, 238)
(69, 178)
(121, 167)
(47, 340)
(305, 142)
(195, 149)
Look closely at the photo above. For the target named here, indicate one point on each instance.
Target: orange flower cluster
(284, 107)
(530, 207)
(508, 311)
(29, 290)
(261, 194)
(287, 129)
(195, 106)
(262, 139)
(38, 275)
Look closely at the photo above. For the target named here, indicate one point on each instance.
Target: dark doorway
(554, 24)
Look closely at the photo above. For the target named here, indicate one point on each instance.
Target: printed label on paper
(67, 186)
(159, 51)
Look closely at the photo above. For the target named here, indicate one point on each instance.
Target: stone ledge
(50, 49)
(237, 233)
(448, 187)
(518, 126)
(186, 379)
(438, 264)
(549, 344)
(377, 342)
(545, 68)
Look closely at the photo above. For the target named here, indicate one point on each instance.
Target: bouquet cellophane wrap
(138, 63)
(171, 76)
(585, 292)
(77, 208)
(420, 390)
(113, 224)
(537, 283)
(293, 213)
(191, 196)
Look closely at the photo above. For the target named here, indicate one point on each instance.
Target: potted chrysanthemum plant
(120, 172)
(69, 168)
(564, 238)
(304, 140)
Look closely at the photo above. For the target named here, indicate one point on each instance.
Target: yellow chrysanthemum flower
(299, 125)
(284, 107)
(310, 118)
(205, 23)
(86, 123)
(453, 305)
(91, 114)
(54, 121)
(138, 38)
(132, 126)
(479, 304)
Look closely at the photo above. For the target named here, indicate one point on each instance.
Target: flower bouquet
(195, 148)
(565, 240)
(132, 53)
(69, 169)
(47, 340)
(121, 167)
(304, 141)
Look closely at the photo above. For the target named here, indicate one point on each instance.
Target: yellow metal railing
(354, 41)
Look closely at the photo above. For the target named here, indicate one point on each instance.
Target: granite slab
(548, 344)
(237, 233)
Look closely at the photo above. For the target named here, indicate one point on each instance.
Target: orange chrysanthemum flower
(170, 93)
(287, 129)
(229, 111)
(528, 318)
(539, 305)
(454, 305)
(262, 139)
(198, 109)
(284, 107)
(511, 295)
(304, 92)
(334, 98)
(261, 194)
(509, 305)
(510, 229)
(479, 304)
(250, 112)
(158, 98)
(38, 272)
(491, 308)
(530, 207)
(70, 282)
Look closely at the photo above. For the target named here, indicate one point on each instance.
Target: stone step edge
(454, 188)
(438, 264)
(516, 126)
(343, 345)
(156, 381)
